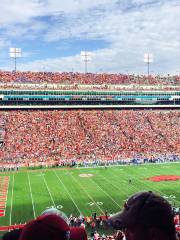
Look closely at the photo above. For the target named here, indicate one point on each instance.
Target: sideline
(89, 167)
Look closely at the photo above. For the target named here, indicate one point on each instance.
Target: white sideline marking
(88, 194)
(105, 192)
(68, 193)
(54, 205)
(128, 165)
(31, 196)
(10, 216)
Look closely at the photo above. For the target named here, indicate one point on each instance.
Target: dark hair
(12, 235)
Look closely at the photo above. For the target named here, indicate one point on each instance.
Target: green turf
(31, 192)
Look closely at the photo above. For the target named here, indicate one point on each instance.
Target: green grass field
(31, 192)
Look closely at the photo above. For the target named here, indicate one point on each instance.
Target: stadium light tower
(148, 58)
(86, 57)
(15, 53)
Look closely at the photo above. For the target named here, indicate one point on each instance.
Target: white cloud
(21, 11)
(130, 28)
(18, 11)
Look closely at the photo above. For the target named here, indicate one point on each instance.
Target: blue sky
(52, 33)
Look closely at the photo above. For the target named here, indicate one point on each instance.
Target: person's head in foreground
(145, 216)
(51, 227)
(53, 210)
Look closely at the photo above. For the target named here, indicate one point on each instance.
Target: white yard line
(112, 184)
(131, 186)
(81, 186)
(31, 195)
(54, 205)
(12, 192)
(104, 192)
(65, 188)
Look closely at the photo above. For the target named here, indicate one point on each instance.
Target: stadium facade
(88, 99)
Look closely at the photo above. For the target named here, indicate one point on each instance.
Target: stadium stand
(89, 80)
(61, 136)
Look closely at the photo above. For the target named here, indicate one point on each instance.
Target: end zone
(4, 183)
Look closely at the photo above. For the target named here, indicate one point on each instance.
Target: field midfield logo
(86, 175)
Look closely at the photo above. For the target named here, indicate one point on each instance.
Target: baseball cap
(147, 209)
(51, 227)
(53, 210)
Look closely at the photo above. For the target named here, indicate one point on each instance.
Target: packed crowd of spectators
(75, 79)
(62, 136)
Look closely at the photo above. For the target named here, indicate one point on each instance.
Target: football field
(80, 191)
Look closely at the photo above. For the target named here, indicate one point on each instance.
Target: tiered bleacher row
(61, 136)
(88, 78)
(35, 89)
(86, 81)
